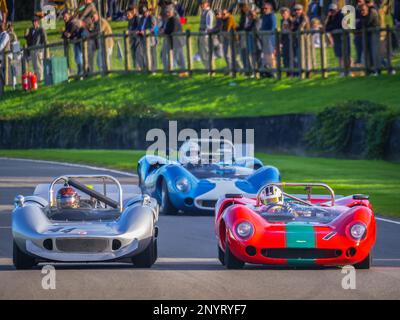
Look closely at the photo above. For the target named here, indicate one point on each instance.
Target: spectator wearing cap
(268, 24)
(145, 30)
(304, 4)
(333, 24)
(286, 28)
(207, 23)
(36, 36)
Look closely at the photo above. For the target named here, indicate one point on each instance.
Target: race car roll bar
(308, 187)
(70, 179)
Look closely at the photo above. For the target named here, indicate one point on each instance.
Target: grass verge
(204, 97)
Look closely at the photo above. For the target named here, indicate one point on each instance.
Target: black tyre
(166, 206)
(21, 260)
(231, 262)
(155, 256)
(139, 177)
(221, 255)
(365, 264)
(148, 257)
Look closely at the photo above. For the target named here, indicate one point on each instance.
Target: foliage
(334, 130)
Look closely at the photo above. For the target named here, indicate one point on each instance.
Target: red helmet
(67, 198)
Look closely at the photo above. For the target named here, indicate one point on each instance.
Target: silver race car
(84, 219)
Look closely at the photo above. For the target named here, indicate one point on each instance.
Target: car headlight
(357, 230)
(183, 184)
(244, 229)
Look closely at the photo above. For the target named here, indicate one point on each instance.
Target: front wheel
(231, 262)
(21, 260)
(221, 255)
(148, 257)
(166, 207)
(365, 264)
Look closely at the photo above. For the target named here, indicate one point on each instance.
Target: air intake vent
(82, 245)
(301, 253)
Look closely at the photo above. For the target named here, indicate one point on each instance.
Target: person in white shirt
(4, 46)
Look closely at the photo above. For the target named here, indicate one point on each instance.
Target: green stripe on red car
(300, 235)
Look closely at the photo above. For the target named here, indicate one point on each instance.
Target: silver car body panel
(125, 234)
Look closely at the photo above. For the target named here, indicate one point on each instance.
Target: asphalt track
(187, 267)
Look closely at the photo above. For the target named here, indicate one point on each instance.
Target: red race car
(278, 228)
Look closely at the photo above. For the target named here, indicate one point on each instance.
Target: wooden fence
(299, 58)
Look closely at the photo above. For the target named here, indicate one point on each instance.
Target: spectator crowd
(156, 32)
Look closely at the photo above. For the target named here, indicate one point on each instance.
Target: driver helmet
(272, 195)
(67, 198)
(190, 153)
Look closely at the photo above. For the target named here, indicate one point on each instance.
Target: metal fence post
(66, 52)
(127, 52)
(6, 68)
(278, 54)
(300, 53)
(291, 54)
(189, 51)
(255, 60)
(322, 53)
(365, 50)
(170, 40)
(105, 66)
(46, 51)
(2, 76)
(345, 53)
(23, 59)
(148, 53)
(84, 44)
(389, 49)
(210, 54)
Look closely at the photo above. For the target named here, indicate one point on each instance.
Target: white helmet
(190, 153)
(272, 195)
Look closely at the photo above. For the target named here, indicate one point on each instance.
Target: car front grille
(207, 203)
(301, 253)
(82, 245)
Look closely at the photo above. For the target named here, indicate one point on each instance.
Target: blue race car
(195, 182)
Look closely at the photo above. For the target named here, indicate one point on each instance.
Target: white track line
(385, 259)
(387, 220)
(123, 173)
